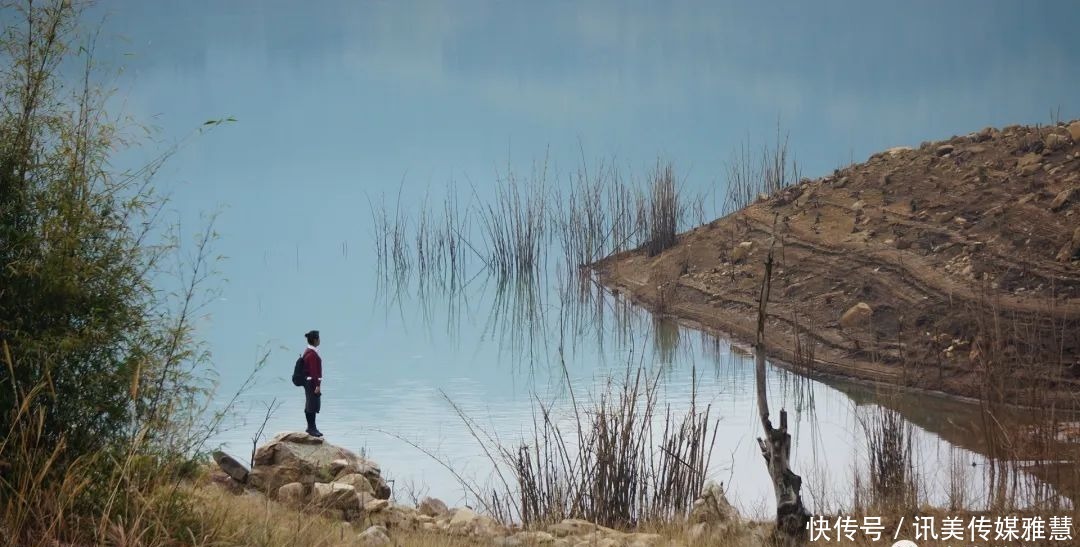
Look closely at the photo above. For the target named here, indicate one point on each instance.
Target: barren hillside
(955, 264)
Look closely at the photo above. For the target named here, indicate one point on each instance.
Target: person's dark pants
(312, 404)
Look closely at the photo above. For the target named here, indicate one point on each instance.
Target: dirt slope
(965, 252)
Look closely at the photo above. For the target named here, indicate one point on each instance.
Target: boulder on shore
(231, 466)
(375, 536)
(432, 507)
(856, 316)
(298, 457)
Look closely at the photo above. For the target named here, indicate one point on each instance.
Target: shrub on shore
(102, 377)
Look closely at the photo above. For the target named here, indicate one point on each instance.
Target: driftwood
(791, 514)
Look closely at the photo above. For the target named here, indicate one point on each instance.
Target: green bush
(100, 369)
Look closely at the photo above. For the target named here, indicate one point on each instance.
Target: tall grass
(893, 485)
(620, 461)
(750, 175)
(523, 226)
(664, 211)
(36, 503)
(514, 225)
(600, 211)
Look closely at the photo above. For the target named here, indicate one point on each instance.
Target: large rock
(269, 479)
(432, 507)
(299, 457)
(986, 134)
(358, 481)
(335, 496)
(486, 526)
(741, 251)
(1056, 142)
(856, 316)
(1064, 198)
(1029, 160)
(1072, 248)
(713, 520)
(467, 522)
(712, 507)
(365, 498)
(293, 494)
(392, 515)
(374, 506)
(374, 536)
(382, 490)
(231, 466)
(1074, 131)
(463, 517)
(299, 437)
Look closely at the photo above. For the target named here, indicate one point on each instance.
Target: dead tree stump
(791, 514)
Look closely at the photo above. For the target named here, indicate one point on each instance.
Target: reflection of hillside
(958, 424)
(1062, 476)
(965, 425)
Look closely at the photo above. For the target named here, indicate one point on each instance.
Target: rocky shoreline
(310, 475)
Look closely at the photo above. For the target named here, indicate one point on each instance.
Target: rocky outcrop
(300, 458)
(309, 474)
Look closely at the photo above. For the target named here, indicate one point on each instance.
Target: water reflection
(563, 334)
(665, 335)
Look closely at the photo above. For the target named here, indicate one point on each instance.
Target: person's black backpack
(299, 373)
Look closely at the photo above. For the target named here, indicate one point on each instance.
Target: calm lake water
(341, 104)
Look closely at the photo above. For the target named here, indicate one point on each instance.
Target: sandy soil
(964, 253)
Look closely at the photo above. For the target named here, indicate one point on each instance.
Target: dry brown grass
(251, 519)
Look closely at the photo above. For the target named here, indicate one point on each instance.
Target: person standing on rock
(313, 382)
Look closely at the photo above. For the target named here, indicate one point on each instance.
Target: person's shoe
(314, 433)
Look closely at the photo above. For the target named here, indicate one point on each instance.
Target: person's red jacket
(313, 363)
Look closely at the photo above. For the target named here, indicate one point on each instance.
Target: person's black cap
(312, 334)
